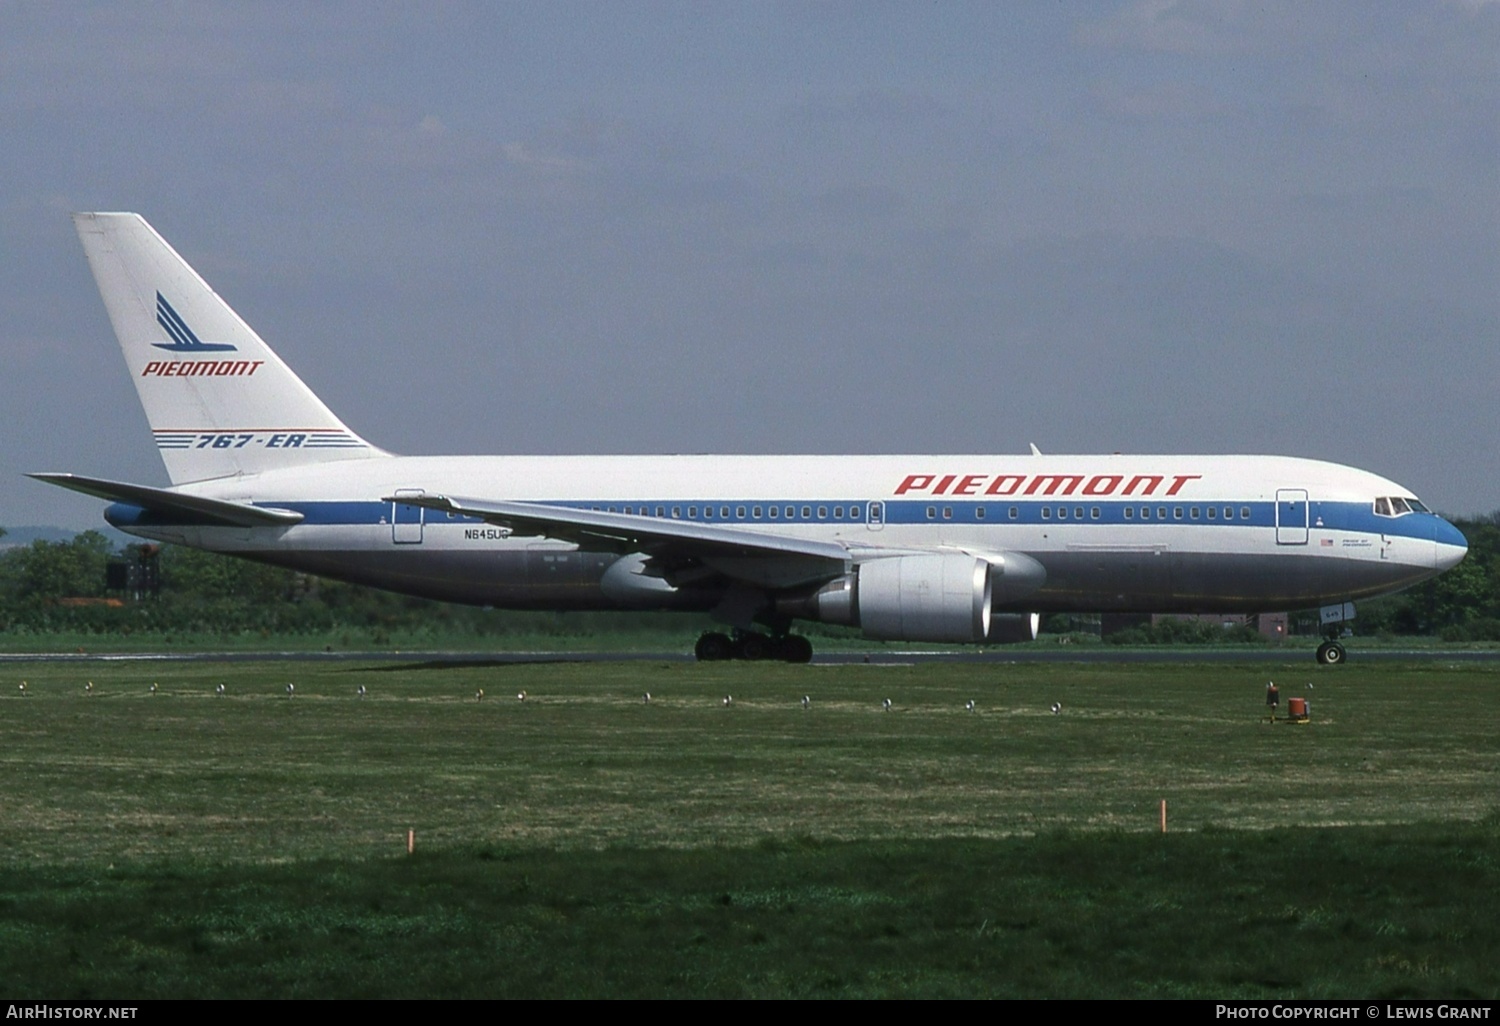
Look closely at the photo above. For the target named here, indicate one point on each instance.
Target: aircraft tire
(794, 648)
(753, 647)
(713, 647)
(1331, 653)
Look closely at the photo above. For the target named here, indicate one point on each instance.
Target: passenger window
(1094, 513)
(676, 512)
(1213, 513)
(692, 512)
(822, 512)
(838, 512)
(979, 513)
(755, 512)
(947, 512)
(806, 512)
(1161, 512)
(1014, 513)
(661, 511)
(775, 512)
(1129, 512)
(1177, 513)
(1244, 512)
(1193, 512)
(1046, 512)
(931, 512)
(1062, 512)
(739, 511)
(1078, 513)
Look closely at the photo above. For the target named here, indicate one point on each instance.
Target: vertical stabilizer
(219, 401)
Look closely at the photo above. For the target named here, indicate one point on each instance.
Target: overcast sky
(765, 227)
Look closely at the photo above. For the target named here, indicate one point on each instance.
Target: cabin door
(406, 520)
(1291, 516)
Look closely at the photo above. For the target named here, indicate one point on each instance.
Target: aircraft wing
(175, 504)
(773, 560)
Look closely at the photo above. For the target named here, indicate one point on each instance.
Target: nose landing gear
(1331, 653)
(1333, 618)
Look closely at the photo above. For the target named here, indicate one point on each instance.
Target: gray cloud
(1236, 227)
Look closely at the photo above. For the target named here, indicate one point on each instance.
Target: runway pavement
(1058, 654)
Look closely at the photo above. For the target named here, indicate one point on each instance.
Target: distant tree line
(60, 587)
(48, 587)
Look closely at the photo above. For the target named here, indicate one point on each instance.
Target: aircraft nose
(1449, 544)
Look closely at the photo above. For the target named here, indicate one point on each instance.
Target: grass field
(587, 842)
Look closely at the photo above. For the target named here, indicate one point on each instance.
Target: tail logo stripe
(183, 338)
(173, 322)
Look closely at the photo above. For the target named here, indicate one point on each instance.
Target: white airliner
(906, 548)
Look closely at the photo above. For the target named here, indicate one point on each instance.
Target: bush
(1187, 632)
(1484, 628)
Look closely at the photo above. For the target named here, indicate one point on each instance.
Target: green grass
(584, 842)
(1368, 912)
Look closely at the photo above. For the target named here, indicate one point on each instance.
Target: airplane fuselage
(1113, 533)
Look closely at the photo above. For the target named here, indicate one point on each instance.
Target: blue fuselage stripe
(1354, 517)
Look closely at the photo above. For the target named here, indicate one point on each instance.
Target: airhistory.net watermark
(45, 1011)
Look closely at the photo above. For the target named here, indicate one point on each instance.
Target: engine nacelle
(938, 597)
(925, 598)
(930, 597)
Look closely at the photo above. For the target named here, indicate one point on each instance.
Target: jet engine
(938, 597)
(926, 597)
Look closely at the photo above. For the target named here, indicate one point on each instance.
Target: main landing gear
(1331, 653)
(788, 648)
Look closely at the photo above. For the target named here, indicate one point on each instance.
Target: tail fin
(219, 401)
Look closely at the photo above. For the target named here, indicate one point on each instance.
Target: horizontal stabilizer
(163, 500)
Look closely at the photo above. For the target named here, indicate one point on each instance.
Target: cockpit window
(1396, 506)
